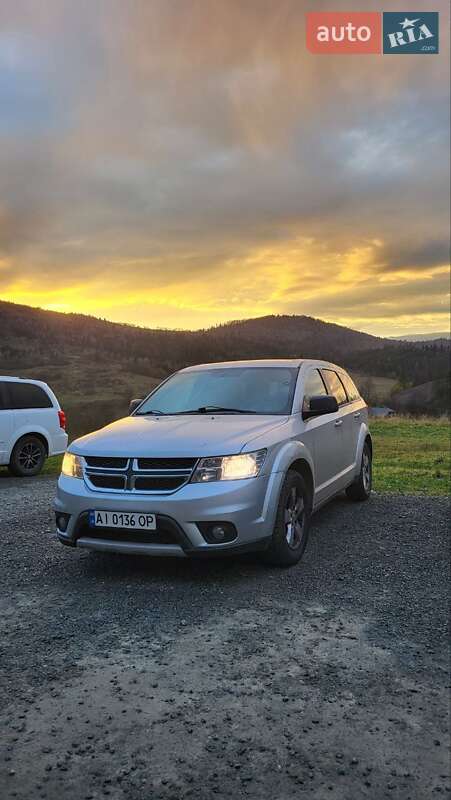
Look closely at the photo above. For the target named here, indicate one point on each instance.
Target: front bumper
(250, 505)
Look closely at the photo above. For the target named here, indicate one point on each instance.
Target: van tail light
(63, 420)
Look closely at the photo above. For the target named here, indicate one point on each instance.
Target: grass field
(411, 456)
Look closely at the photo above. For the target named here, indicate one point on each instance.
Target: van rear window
(24, 395)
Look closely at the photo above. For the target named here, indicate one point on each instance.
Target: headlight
(229, 468)
(72, 466)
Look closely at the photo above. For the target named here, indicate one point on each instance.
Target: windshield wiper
(148, 413)
(207, 409)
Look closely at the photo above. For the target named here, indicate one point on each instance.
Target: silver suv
(219, 458)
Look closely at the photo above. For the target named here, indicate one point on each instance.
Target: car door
(323, 437)
(345, 422)
(6, 425)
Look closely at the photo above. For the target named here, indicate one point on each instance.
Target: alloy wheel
(294, 519)
(29, 456)
(366, 471)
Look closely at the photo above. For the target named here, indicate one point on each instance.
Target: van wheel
(28, 457)
(291, 530)
(361, 488)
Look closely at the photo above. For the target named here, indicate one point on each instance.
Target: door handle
(357, 415)
(338, 423)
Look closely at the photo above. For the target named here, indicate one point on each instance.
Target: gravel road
(165, 679)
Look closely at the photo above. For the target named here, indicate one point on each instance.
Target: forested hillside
(94, 363)
(30, 336)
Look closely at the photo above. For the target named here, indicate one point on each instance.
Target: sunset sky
(180, 163)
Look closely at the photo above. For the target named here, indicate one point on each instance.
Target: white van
(32, 425)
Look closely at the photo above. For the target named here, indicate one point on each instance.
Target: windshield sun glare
(231, 390)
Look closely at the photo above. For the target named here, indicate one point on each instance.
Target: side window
(2, 395)
(334, 386)
(27, 395)
(314, 385)
(351, 389)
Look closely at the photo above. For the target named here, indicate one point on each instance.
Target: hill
(264, 336)
(424, 396)
(424, 337)
(96, 366)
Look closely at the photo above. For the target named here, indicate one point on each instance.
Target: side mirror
(321, 404)
(133, 406)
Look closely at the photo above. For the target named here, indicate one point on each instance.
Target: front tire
(291, 529)
(28, 457)
(361, 488)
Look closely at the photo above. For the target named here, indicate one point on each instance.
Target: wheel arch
(38, 435)
(364, 437)
(302, 466)
(291, 453)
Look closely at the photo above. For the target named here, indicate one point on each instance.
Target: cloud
(191, 162)
(417, 254)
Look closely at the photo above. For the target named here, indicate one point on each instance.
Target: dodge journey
(219, 458)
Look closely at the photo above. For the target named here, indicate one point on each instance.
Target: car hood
(200, 435)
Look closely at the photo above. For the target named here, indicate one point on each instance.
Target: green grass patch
(411, 456)
(53, 466)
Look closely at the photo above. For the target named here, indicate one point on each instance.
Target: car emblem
(129, 476)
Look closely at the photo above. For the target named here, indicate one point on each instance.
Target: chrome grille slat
(108, 482)
(104, 471)
(148, 473)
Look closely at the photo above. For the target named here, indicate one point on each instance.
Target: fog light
(217, 532)
(62, 521)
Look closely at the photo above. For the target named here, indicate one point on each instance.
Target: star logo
(408, 23)
(405, 33)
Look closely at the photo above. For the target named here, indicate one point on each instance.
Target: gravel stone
(143, 678)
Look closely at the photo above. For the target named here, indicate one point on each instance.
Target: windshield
(232, 390)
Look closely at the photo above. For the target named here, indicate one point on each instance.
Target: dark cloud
(413, 255)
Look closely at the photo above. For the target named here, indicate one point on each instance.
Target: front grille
(106, 463)
(108, 481)
(126, 535)
(151, 475)
(166, 463)
(159, 483)
(167, 532)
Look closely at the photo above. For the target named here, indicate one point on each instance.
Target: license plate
(122, 519)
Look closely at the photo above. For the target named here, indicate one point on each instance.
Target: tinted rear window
(25, 395)
(2, 395)
(351, 388)
(334, 386)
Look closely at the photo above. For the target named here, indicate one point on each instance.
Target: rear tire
(28, 457)
(291, 528)
(361, 488)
